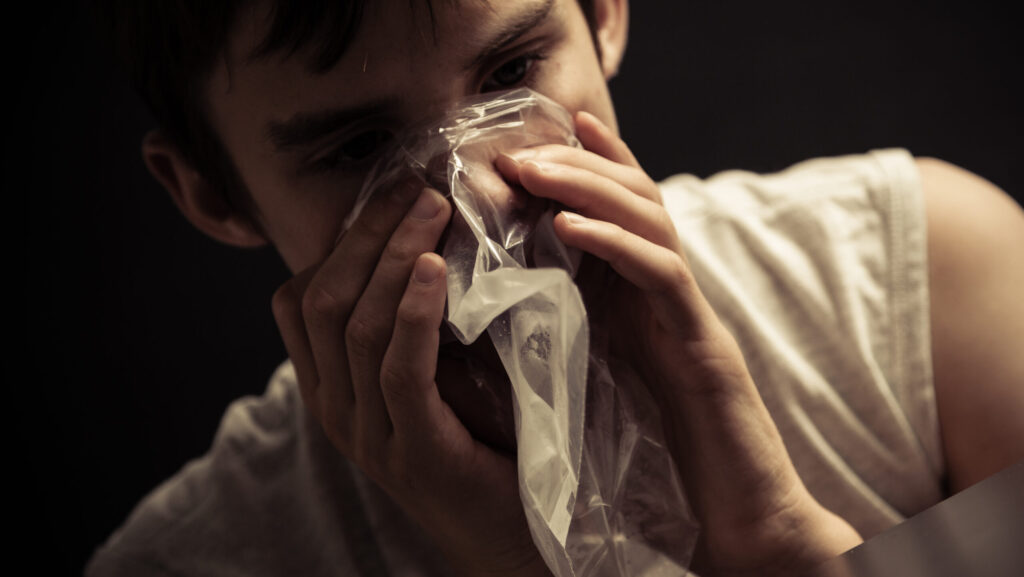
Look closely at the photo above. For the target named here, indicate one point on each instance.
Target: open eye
(511, 73)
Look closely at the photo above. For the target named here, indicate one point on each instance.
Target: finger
(287, 308)
(631, 177)
(595, 136)
(662, 274)
(372, 322)
(599, 198)
(330, 297)
(410, 364)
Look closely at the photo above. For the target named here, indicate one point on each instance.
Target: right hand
(756, 515)
(362, 330)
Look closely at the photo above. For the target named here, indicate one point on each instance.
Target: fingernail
(426, 271)
(426, 207)
(573, 218)
(542, 166)
(508, 161)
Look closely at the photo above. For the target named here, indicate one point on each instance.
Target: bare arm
(976, 272)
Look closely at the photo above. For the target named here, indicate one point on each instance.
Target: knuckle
(394, 382)
(413, 317)
(377, 227)
(618, 242)
(655, 191)
(283, 303)
(378, 224)
(620, 237)
(638, 176)
(317, 301)
(647, 187)
(664, 222)
(359, 333)
(399, 250)
(678, 274)
(321, 308)
(583, 199)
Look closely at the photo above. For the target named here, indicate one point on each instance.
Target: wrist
(832, 535)
(817, 535)
(789, 542)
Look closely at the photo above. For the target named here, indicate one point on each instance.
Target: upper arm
(976, 278)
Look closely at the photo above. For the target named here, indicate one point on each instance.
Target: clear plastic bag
(600, 491)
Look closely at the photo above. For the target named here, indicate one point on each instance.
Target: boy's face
(302, 141)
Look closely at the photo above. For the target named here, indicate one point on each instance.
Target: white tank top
(820, 273)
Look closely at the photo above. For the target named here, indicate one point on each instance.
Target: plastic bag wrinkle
(600, 491)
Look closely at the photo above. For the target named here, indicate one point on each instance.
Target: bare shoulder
(976, 277)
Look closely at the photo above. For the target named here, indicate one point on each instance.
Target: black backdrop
(141, 331)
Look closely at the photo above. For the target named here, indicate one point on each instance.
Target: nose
(458, 160)
(495, 208)
(455, 153)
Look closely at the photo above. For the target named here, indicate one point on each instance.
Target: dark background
(140, 331)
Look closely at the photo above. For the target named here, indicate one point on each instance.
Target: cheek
(575, 81)
(304, 223)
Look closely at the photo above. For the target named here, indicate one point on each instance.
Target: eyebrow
(305, 128)
(511, 31)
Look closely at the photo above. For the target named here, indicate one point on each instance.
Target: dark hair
(169, 47)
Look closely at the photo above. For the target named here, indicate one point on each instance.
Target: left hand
(756, 515)
(362, 331)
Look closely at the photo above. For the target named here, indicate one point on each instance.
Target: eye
(511, 73)
(360, 147)
(364, 145)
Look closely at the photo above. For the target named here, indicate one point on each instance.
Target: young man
(270, 119)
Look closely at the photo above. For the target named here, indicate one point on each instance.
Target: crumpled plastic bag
(599, 488)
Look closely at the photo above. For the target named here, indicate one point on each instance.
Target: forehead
(321, 32)
(386, 40)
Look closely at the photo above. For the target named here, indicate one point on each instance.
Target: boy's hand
(757, 517)
(362, 332)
